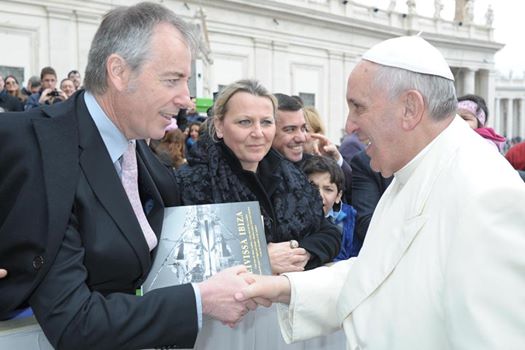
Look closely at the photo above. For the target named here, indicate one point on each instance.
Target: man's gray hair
(439, 93)
(127, 31)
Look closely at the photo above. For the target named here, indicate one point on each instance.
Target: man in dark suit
(367, 188)
(291, 135)
(73, 244)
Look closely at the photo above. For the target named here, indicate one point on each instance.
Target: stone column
(263, 64)
(522, 118)
(486, 88)
(460, 5)
(60, 25)
(335, 113)
(281, 70)
(469, 81)
(510, 118)
(496, 116)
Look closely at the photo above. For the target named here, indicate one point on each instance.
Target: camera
(53, 93)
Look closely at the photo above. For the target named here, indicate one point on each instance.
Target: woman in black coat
(234, 162)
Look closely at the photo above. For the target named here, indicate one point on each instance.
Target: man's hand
(45, 96)
(62, 95)
(217, 295)
(326, 147)
(284, 258)
(266, 290)
(3, 273)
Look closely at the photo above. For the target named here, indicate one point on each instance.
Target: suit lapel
(105, 183)
(58, 140)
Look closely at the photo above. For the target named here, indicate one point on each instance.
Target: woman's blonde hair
(313, 120)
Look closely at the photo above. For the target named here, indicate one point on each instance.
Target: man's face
(290, 135)
(376, 119)
(75, 78)
(35, 88)
(159, 90)
(49, 81)
(68, 87)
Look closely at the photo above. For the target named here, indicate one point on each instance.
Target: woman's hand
(285, 258)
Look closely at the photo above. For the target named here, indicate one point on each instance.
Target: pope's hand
(266, 290)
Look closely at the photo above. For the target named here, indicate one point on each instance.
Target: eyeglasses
(10, 82)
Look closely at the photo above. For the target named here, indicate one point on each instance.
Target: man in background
(32, 86)
(291, 133)
(74, 76)
(48, 93)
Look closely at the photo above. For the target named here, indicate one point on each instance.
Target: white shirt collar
(115, 141)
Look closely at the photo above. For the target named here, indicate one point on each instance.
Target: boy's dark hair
(320, 164)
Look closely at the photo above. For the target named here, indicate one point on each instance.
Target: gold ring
(294, 244)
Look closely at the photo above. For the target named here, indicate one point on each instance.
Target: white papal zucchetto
(412, 53)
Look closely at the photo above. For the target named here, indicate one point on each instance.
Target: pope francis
(443, 263)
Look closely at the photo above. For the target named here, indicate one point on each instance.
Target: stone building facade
(302, 47)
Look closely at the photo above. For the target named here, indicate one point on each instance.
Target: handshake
(230, 294)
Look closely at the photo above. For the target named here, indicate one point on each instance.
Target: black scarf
(291, 206)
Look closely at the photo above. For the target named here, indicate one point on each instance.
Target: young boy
(325, 174)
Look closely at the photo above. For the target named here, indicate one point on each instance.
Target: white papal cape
(443, 263)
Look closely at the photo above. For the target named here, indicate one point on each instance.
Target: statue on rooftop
(468, 12)
(438, 7)
(411, 5)
(489, 16)
(392, 6)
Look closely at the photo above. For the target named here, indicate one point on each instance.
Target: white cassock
(443, 264)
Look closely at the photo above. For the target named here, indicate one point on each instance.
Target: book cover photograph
(199, 240)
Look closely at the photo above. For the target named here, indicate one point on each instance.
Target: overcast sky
(509, 26)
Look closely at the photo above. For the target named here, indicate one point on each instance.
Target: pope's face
(376, 119)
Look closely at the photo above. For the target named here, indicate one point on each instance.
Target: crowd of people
(410, 237)
(38, 91)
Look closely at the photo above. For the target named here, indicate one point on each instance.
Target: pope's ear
(414, 109)
(118, 72)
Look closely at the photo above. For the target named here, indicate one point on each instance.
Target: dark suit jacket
(367, 188)
(71, 242)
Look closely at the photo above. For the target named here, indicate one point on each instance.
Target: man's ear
(117, 72)
(414, 109)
